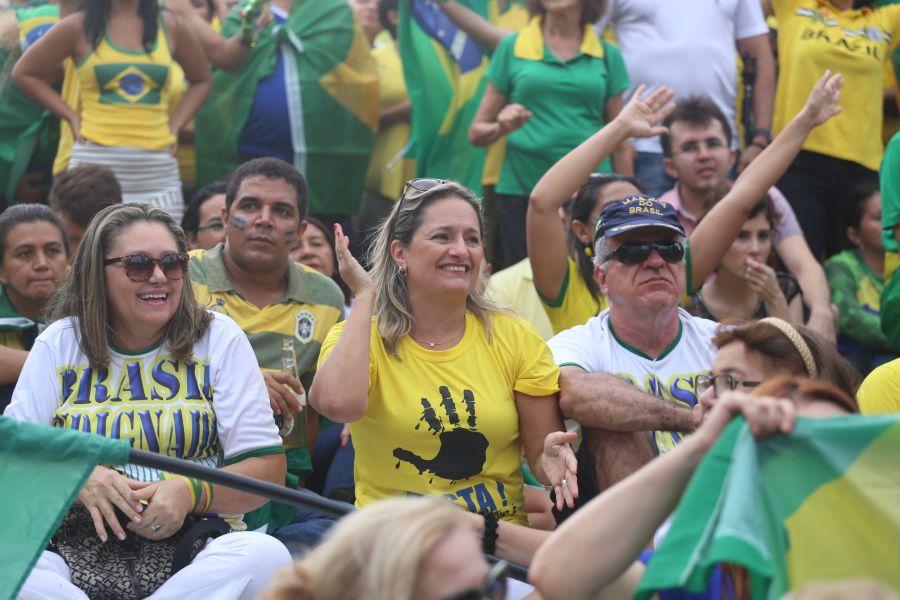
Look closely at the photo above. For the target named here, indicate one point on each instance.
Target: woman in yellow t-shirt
(454, 388)
(854, 38)
(124, 52)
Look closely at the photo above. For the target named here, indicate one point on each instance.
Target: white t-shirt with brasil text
(595, 347)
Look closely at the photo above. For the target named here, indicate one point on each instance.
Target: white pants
(231, 567)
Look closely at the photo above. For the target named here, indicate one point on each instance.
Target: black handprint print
(462, 451)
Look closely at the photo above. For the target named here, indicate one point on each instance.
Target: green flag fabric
(822, 504)
(444, 72)
(331, 83)
(42, 471)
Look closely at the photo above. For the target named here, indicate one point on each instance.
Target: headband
(797, 340)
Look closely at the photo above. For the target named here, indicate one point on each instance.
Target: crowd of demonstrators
(657, 283)
(127, 307)
(855, 40)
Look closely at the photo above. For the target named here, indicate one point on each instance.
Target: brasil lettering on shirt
(162, 405)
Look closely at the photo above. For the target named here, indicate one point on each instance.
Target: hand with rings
(560, 467)
(170, 502)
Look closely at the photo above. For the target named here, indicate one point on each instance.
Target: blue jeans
(332, 474)
(306, 530)
(648, 168)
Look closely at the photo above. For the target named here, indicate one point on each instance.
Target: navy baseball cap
(636, 212)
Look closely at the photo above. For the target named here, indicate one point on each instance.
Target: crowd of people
(214, 244)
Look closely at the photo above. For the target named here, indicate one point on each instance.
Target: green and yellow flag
(42, 473)
(331, 82)
(822, 504)
(444, 71)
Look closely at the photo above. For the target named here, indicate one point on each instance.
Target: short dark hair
(191, 219)
(29, 213)
(767, 207)
(856, 202)
(384, 7)
(269, 168)
(698, 111)
(591, 10)
(83, 191)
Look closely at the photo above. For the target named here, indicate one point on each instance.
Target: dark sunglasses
(494, 587)
(632, 254)
(416, 187)
(139, 267)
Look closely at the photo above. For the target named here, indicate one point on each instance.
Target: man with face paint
(251, 278)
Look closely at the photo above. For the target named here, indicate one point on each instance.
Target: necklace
(431, 345)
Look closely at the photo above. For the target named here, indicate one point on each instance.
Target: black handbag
(132, 568)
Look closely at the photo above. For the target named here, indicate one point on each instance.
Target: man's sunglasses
(494, 587)
(139, 267)
(632, 254)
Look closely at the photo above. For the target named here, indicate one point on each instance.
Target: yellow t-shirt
(388, 169)
(880, 391)
(575, 303)
(813, 36)
(445, 422)
(513, 287)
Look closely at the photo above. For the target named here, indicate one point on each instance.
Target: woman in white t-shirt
(131, 355)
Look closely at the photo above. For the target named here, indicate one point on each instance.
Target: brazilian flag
(822, 504)
(332, 88)
(27, 131)
(444, 71)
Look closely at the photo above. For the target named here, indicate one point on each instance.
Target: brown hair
(794, 388)
(83, 191)
(591, 10)
(784, 357)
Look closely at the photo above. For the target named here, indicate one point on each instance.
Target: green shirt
(856, 290)
(567, 100)
(890, 193)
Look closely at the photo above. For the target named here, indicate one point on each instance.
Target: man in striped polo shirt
(251, 278)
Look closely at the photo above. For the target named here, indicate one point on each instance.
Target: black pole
(265, 489)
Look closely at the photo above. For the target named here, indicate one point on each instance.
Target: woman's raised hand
(640, 116)
(561, 467)
(822, 103)
(353, 274)
(765, 416)
(106, 489)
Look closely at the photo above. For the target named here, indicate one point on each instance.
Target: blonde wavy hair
(393, 311)
(83, 294)
(375, 552)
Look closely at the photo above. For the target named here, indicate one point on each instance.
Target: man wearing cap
(632, 368)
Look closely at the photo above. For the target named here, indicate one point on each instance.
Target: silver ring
(563, 483)
(155, 527)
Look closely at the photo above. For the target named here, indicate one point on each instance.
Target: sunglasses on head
(632, 254)
(416, 187)
(139, 267)
(494, 587)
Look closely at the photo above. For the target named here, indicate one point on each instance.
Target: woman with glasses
(750, 353)
(202, 220)
(564, 294)
(131, 355)
(399, 548)
(745, 286)
(441, 389)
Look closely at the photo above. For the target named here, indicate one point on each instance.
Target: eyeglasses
(632, 254)
(494, 587)
(139, 267)
(721, 383)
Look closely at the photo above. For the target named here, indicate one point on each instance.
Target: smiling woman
(138, 359)
(455, 388)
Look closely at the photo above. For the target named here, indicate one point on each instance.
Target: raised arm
(340, 389)
(718, 229)
(757, 48)
(604, 401)
(228, 54)
(545, 235)
(476, 27)
(616, 526)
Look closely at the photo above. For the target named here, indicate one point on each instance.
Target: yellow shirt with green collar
(567, 100)
(575, 303)
(814, 36)
(312, 304)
